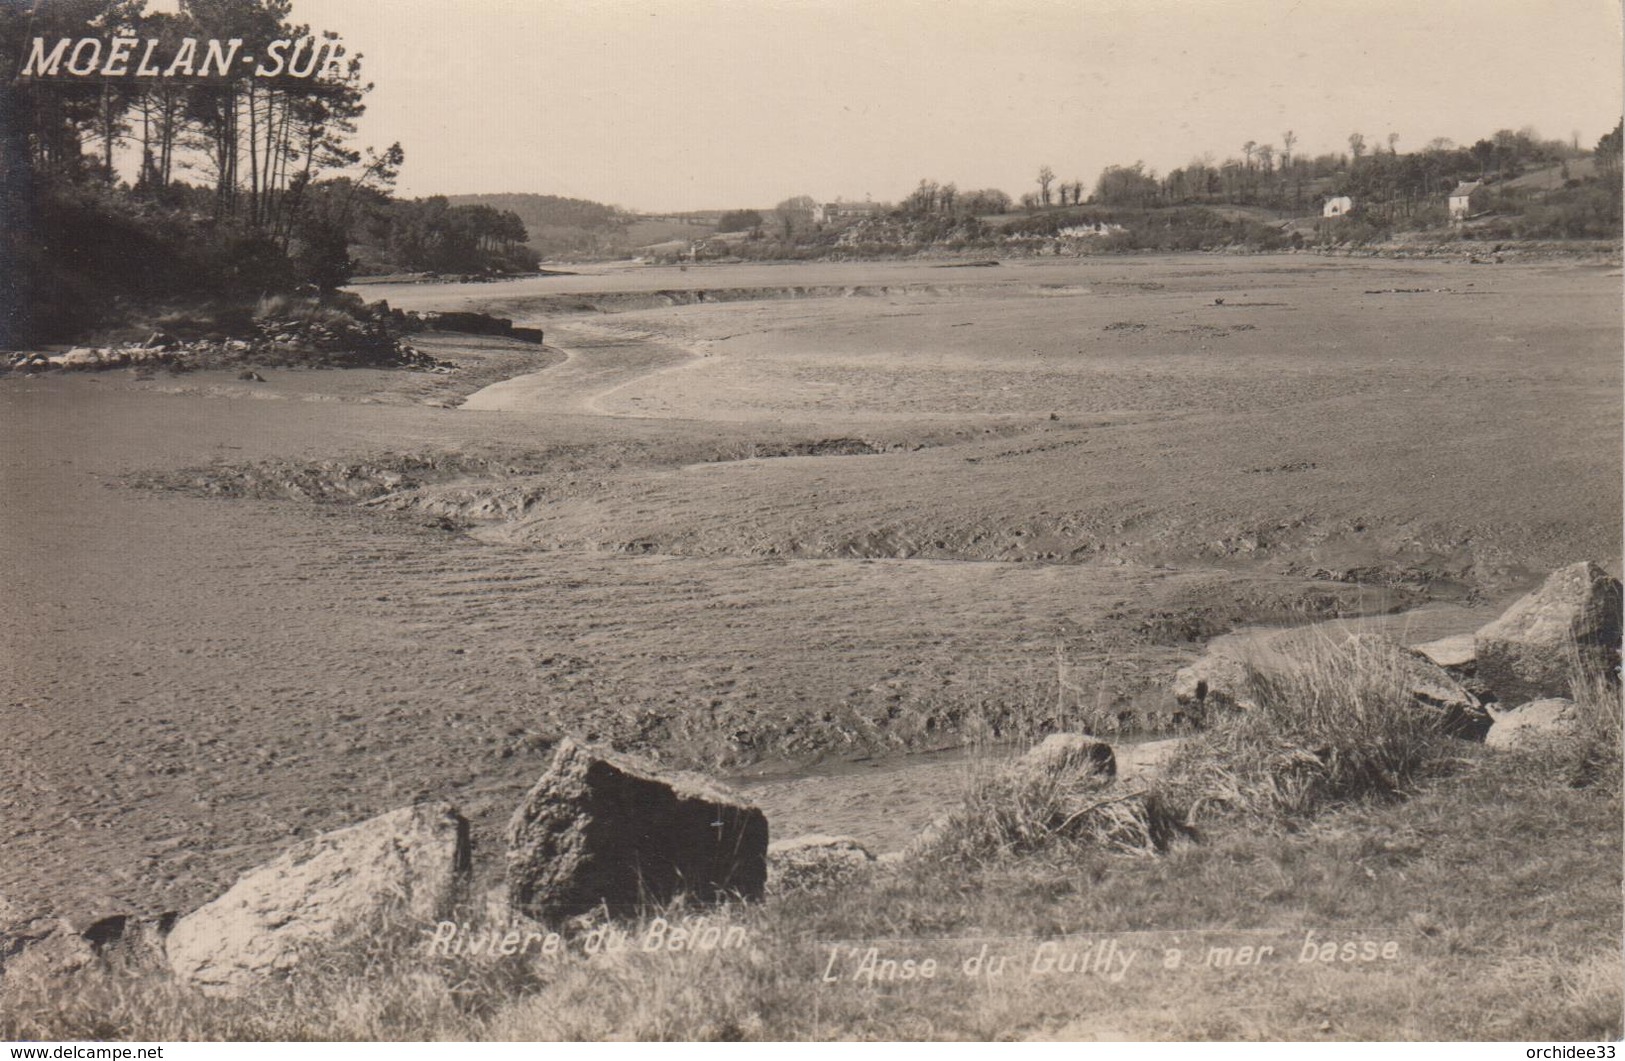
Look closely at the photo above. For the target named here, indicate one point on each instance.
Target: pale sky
(691, 104)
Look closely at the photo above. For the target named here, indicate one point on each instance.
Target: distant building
(1466, 199)
(1337, 206)
(851, 211)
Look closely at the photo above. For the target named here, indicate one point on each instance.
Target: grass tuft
(1593, 751)
(1336, 723)
(1021, 808)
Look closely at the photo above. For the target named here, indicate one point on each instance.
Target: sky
(663, 105)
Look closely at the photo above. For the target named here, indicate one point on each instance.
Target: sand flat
(1075, 473)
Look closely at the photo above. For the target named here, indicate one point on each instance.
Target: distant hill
(559, 226)
(650, 230)
(1556, 176)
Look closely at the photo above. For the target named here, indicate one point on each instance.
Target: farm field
(793, 533)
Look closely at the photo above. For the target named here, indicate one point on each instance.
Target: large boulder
(604, 829)
(1533, 723)
(409, 864)
(1567, 630)
(1224, 678)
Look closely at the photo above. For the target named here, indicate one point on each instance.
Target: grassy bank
(1449, 893)
(1498, 884)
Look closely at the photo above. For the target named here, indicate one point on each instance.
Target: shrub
(93, 256)
(1021, 809)
(1334, 724)
(1586, 211)
(1184, 228)
(304, 312)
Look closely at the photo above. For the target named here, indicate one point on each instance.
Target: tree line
(1282, 179)
(1278, 177)
(123, 189)
(259, 144)
(1389, 186)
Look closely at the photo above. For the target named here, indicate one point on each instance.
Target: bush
(1184, 228)
(93, 255)
(1020, 809)
(1335, 724)
(1352, 230)
(1588, 211)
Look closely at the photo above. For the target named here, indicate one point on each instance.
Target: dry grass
(1017, 809)
(1034, 855)
(1596, 749)
(1334, 724)
(1529, 951)
(302, 312)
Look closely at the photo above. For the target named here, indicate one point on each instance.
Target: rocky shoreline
(373, 336)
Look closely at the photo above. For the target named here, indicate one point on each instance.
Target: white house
(851, 211)
(1465, 199)
(1337, 206)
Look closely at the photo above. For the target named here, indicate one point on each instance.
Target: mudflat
(749, 517)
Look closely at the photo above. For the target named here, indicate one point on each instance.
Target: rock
(468, 323)
(603, 828)
(82, 357)
(1568, 628)
(1532, 723)
(44, 953)
(1429, 683)
(1064, 757)
(1069, 753)
(1146, 761)
(410, 863)
(41, 950)
(814, 861)
(1456, 653)
(1223, 679)
(1217, 680)
(139, 938)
